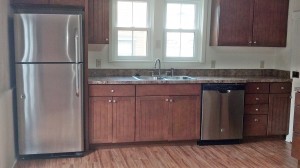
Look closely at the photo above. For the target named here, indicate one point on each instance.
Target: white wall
(296, 5)
(7, 155)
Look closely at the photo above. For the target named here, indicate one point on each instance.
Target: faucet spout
(159, 66)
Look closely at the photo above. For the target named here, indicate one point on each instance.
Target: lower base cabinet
(112, 119)
(255, 125)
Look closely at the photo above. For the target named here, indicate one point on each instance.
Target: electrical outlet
(213, 64)
(98, 63)
(262, 64)
(295, 74)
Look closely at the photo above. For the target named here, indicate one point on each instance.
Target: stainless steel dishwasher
(222, 112)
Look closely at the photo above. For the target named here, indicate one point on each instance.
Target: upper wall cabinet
(249, 23)
(98, 21)
(51, 2)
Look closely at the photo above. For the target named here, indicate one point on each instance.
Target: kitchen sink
(178, 78)
(163, 78)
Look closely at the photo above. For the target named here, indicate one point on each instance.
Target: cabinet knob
(257, 99)
(106, 39)
(256, 109)
(167, 100)
(171, 100)
(109, 101)
(257, 88)
(22, 97)
(250, 42)
(112, 91)
(114, 101)
(282, 88)
(222, 130)
(254, 42)
(256, 120)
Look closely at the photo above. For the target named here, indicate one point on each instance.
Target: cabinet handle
(256, 120)
(257, 88)
(254, 42)
(106, 39)
(282, 88)
(114, 101)
(250, 42)
(112, 91)
(171, 100)
(109, 101)
(257, 99)
(256, 109)
(167, 100)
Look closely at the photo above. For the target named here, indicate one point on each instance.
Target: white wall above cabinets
(296, 6)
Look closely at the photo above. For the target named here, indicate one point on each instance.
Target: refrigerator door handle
(77, 51)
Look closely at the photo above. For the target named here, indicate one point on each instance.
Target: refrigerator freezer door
(48, 38)
(50, 112)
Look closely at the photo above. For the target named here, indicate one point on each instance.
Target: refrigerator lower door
(210, 124)
(232, 112)
(50, 118)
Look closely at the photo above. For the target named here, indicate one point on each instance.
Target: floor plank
(267, 153)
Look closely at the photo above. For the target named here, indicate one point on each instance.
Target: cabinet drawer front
(256, 99)
(111, 90)
(257, 109)
(257, 88)
(280, 87)
(172, 90)
(255, 125)
(297, 119)
(296, 146)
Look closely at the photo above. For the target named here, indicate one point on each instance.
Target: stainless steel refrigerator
(49, 83)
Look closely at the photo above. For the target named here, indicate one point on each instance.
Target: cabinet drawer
(280, 87)
(111, 90)
(257, 88)
(296, 146)
(257, 109)
(256, 99)
(255, 125)
(297, 119)
(170, 90)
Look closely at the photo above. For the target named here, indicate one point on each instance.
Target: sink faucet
(159, 66)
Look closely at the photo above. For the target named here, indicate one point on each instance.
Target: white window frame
(114, 33)
(199, 32)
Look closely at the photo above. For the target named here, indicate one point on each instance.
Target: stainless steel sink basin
(148, 78)
(178, 78)
(163, 78)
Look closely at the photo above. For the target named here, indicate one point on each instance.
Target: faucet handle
(152, 73)
(172, 71)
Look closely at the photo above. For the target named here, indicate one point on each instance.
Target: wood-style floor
(268, 153)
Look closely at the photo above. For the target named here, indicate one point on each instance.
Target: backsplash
(193, 72)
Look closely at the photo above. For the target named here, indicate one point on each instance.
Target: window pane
(173, 16)
(140, 14)
(173, 44)
(187, 16)
(125, 43)
(139, 43)
(187, 44)
(124, 14)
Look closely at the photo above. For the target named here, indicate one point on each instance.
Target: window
(131, 30)
(174, 27)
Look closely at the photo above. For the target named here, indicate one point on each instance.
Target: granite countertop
(206, 79)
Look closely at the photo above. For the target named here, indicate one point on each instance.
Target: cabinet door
(270, 23)
(98, 21)
(68, 2)
(185, 117)
(152, 118)
(279, 113)
(296, 146)
(36, 2)
(297, 114)
(123, 119)
(100, 120)
(232, 22)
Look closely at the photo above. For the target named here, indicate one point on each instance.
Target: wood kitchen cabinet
(296, 130)
(50, 2)
(111, 114)
(98, 21)
(167, 112)
(249, 23)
